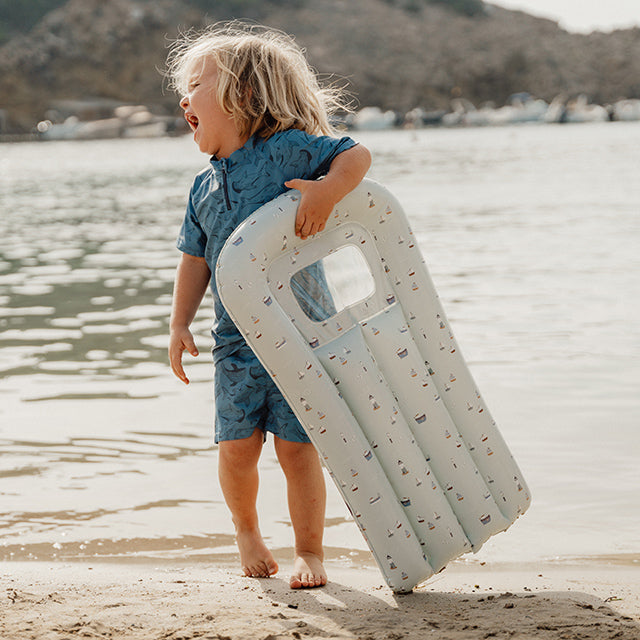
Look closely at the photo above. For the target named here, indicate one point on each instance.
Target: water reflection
(87, 260)
(530, 235)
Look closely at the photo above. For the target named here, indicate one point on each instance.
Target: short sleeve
(192, 239)
(303, 155)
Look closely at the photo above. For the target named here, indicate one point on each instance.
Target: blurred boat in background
(626, 110)
(372, 119)
(128, 121)
(521, 107)
(581, 110)
(136, 121)
(524, 108)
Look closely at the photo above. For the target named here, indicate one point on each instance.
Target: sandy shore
(57, 601)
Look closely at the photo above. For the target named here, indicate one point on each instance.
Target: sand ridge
(139, 602)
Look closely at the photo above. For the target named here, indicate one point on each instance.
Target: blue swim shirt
(230, 189)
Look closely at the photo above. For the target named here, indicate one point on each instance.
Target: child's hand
(316, 205)
(180, 340)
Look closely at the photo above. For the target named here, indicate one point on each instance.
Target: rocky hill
(396, 54)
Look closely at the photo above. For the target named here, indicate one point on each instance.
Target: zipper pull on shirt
(223, 165)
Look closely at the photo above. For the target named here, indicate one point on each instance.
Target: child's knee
(296, 455)
(241, 452)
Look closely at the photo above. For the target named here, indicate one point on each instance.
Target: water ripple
(531, 236)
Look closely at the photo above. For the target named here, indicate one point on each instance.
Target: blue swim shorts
(246, 397)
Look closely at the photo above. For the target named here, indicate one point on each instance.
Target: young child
(256, 108)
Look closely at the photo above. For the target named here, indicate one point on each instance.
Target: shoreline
(63, 600)
(220, 549)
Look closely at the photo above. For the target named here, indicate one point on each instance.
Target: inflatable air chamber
(379, 385)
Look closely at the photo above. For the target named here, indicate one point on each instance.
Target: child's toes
(295, 583)
(253, 571)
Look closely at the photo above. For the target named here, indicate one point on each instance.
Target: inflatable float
(379, 384)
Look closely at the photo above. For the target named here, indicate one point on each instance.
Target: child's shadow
(339, 610)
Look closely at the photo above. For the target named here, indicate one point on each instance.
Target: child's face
(215, 132)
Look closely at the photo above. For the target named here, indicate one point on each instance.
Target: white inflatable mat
(380, 385)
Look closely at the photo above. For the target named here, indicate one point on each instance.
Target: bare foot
(257, 561)
(308, 572)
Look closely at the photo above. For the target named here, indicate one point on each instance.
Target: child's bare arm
(319, 197)
(192, 279)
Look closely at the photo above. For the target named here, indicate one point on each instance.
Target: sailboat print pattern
(380, 387)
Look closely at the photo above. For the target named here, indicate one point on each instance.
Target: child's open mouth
(191, 120)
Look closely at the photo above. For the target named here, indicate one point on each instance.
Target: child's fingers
(304, 225)
(301, 218)
(175, 359)
(181, 341)
(296, 183)
(176, 367)
(308, 225)
(190, 346)
(310, 218)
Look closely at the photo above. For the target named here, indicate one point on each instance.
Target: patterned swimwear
(222, 196)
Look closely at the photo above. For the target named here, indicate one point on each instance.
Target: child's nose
(184, 103)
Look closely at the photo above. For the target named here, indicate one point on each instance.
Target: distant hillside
(17, 18)
(396, 54)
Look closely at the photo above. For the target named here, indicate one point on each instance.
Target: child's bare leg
(306, 494)
(238, 473)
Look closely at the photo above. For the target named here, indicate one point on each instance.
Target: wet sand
(55, 601)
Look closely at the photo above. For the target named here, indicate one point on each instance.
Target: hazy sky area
(581, 15)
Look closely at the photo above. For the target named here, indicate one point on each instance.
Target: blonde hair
(264, 80)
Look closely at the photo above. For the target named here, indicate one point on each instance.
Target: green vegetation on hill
(18, 16)
(249, 9)
(242, 7)
(466, 7)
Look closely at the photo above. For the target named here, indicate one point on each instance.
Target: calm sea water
(532, 237)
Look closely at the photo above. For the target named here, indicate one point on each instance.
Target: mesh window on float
(332, 284)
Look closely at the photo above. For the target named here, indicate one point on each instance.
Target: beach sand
(57, 601)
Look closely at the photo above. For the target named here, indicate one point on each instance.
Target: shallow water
(531, 235)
